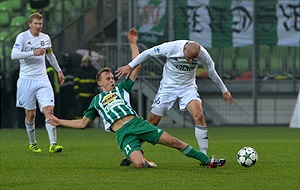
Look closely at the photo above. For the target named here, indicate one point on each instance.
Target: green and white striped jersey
(112, 105)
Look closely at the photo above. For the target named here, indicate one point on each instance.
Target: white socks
(202, 138)
(51, 132)
(30, 127)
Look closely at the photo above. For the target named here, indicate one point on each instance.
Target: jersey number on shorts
(157, 101)
(127, 148)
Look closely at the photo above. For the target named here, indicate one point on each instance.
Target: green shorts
(136, 131)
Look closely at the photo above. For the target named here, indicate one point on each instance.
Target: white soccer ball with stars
(247, 157)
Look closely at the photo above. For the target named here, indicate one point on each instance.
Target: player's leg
(51, 129)
(30, 128)
(160, 106)
(30, 125)
(188, 150)
(45, 97)
(154, 119)
(152, 134)
(184, 148)
(139, 161)
(130, 145)
(196, 111)
(162, 102)
(26, 99)
(190, 100)
(126, 161)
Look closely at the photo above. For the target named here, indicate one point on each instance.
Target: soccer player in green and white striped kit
(113, 105)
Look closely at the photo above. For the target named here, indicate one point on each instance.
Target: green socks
(193, 153)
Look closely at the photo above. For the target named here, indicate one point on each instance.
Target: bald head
(191, 50)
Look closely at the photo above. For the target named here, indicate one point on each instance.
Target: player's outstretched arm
(136, 60)
(127, 70)
(77, 123)
(133, 37)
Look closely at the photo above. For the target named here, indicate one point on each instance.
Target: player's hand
(53, 120)
(132, 36)
(61, 77)
(39, 51)
(125, 70)
(228, 98)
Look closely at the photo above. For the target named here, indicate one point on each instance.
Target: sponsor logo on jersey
(109, 98)
(30, 49)
(17, 45)
(113, 104)
(184, 67)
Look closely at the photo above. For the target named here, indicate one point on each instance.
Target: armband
(48, 50)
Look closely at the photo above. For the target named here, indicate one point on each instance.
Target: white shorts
(31, 91)
(165, 99)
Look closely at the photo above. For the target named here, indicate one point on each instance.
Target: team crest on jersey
(109, 98)
(42, 43)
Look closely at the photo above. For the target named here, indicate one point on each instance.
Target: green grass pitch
(91, 158)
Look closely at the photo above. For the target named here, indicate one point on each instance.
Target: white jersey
(177, 71)
(33, 67)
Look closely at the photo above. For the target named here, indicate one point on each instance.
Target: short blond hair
(37, 16)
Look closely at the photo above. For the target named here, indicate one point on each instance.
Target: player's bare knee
(154, 119)
(48, 110)
(199, 118)
(30, 116)
(139, 164)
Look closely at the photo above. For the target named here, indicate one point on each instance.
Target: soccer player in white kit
(33, 84)
(179, 82)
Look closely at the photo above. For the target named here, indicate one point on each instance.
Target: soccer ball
(247, 157)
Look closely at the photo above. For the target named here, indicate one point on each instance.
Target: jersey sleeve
(16, 52)
(91, 112)
(126, 84)
(52, 59)
(156, 51)
(140, 58)
(50, 55)
(209, 65)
